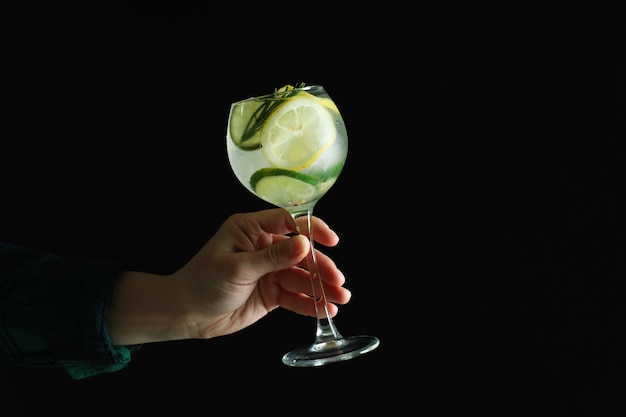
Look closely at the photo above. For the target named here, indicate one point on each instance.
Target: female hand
(248, 268)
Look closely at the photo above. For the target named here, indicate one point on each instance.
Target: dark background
(481, 209)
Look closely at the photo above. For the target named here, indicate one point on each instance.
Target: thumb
(283, 254)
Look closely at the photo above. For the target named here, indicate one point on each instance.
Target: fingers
(322, 233)
(298, 291)
(285, 253)
(297, 280)
(304, 305)
(329, 272)
(279, 222)
(295, 296)
(271, 221)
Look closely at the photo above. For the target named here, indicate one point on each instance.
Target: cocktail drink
(288, 148)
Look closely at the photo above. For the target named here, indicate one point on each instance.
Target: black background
(481, 209)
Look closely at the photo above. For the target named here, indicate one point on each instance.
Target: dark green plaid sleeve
(53, 312)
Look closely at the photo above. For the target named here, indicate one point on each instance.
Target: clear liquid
(325, 169)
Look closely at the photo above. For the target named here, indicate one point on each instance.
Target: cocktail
(288, 148)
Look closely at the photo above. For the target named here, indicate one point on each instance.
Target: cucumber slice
(285, 188)
(242, 116)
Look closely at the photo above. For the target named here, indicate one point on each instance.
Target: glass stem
(326, 330)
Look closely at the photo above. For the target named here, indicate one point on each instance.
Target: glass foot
(322, 353)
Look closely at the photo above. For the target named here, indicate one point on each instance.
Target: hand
(247, 269)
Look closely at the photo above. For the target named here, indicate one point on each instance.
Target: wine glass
(288, 148)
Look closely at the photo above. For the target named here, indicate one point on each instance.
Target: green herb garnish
(256, 121)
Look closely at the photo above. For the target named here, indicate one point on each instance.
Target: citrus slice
(284, 187)
(241, 117)
(329, 104)
(297, 132)
(324, 101)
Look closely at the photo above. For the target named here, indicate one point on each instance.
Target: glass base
(322, 353)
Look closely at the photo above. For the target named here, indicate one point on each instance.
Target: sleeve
(54, 310)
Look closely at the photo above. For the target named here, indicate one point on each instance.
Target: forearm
(147, 308)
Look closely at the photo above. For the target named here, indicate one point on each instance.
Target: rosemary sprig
(262, 113)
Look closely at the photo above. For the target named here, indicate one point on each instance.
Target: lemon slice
(241, 116)
(297, 132)
(324, 101)
(329, 104)
(284, 187)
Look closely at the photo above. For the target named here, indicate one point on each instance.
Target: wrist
(147, 308)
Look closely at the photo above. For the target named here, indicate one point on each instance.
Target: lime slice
(240, 117)
(331, 173)
(297, 132)
(284, 187)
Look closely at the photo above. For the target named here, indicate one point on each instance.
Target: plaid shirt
(53, 312)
